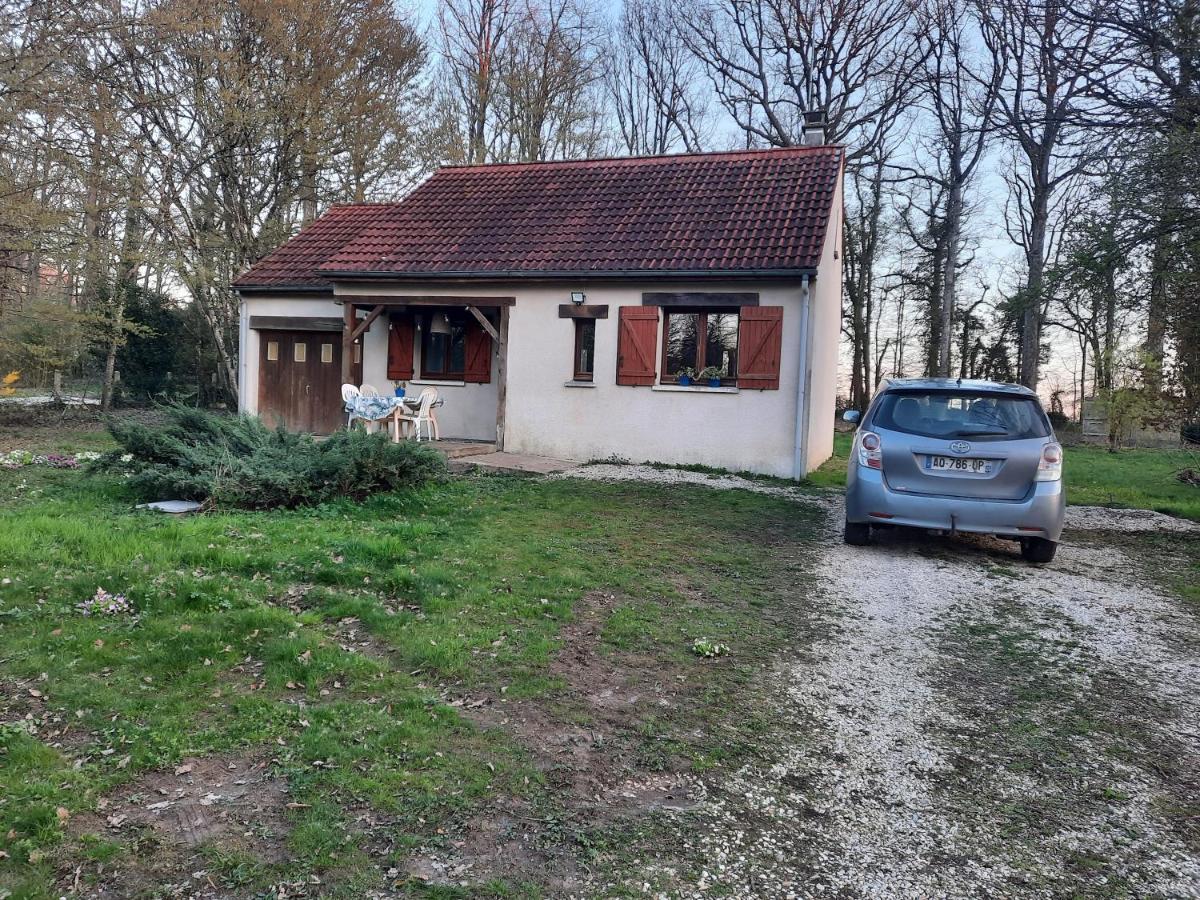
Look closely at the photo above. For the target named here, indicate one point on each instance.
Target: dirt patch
(586, 743)
(353, 637)
(507, 843)
(233, 799)
(584, 740)
(231, 804)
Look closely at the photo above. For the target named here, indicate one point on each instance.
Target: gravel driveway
(974, 726)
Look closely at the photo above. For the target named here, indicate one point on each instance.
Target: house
(553, 304)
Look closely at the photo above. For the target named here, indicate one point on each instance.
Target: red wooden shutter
(637, 339)
(400, 349)
(478, 368)
(760, 342)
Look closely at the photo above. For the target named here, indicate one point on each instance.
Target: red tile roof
(294, 263)
(706, 213)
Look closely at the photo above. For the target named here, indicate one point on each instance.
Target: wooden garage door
(299, 379)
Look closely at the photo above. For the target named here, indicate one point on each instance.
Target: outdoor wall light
(577, 297)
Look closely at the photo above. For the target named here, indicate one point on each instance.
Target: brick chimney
(814, 129)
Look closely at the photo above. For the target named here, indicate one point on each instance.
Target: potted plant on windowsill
(710, 374)
(685, 376)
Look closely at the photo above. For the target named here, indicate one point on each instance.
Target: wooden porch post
(347, 342)
(501, 377)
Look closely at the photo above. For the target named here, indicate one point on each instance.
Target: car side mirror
(851, 415)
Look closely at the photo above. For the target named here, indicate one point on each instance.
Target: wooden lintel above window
(699, 299)
(582, 311)
(423, 300)
(295, 323)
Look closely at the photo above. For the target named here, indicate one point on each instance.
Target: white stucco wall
(747, 430)
(826, 334)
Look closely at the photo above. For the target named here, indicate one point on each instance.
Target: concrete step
(463, 449)
(512, 464)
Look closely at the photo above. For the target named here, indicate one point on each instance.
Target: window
(272, 351)
(443, 346)
(980, 416)
(585, 349)
(327, 353)
(300, 353)
(700, 340)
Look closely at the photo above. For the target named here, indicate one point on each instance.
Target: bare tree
(959, 91)
(1146, 71)
(654, 82)
(549, 69)
(241, 108)
(772, 61)
(473, 34)
(862, 241)
(1043, 92)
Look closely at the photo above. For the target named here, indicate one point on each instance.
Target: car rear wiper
(980, 431)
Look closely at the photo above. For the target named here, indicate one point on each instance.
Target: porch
(454, 345)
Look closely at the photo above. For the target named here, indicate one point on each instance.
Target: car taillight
(1050, 465)
(870, 450)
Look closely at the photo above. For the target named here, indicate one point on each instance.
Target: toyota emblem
(960, 447)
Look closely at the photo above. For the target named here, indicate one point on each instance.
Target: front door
(299, 379)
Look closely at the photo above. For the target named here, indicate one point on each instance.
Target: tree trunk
(954, 208)
(309, 170)
(1108, 349)
(1031, 315)
(117, 326)
(1156, 313)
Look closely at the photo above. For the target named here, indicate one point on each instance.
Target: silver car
(955, 455)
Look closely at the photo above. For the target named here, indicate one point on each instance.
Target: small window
(300, 354)
(272, 351)
(327, 353)
(444, 346)
(585, 349)
(357, 357)
(700, 340)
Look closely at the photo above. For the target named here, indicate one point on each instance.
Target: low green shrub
(239, 461)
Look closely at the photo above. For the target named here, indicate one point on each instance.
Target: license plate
(958, 464)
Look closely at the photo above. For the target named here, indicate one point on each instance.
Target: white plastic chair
(423, 415)
(369, 390)
(349, 394)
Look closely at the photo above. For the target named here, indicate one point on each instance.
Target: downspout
(800, 444)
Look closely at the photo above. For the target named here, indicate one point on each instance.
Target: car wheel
(1038, 550)
(857, 533)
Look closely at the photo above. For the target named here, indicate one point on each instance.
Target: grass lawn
(1135, 479)
(335, 646)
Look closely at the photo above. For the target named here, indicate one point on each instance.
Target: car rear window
(980, 416)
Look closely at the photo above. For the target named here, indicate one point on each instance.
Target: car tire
(857, 534)
(1038, 550)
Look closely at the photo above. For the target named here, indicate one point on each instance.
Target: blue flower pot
(714, 382)
(399, 392)
(684, 380)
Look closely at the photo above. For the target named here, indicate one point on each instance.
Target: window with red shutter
(637, 339)
(478, 368)
(760, 344)
(400, 349)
